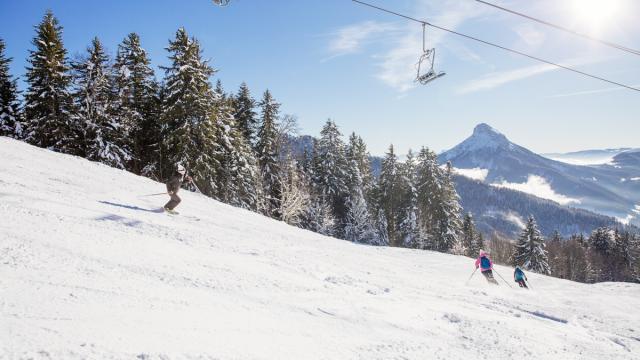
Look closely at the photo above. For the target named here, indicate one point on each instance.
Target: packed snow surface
(90, 269)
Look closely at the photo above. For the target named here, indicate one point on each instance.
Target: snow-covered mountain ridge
(587, 157)
(601, 188)
(90, 269)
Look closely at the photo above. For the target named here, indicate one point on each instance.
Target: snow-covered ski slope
(89, 269)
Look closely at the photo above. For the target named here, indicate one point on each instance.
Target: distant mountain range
(611, 188)
(502, 183)
(505, 211)
(587, 157)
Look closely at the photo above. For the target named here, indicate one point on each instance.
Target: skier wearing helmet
(486, 267)
(173, 186)
(520, 277)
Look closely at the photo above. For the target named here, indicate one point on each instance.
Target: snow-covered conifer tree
(382, 227)
(237, 179)
(448, 220)
(469, 236)
(268, 157)
(245, 114)
(530, 252)
(357, 151)
(319, 217)
(10, 122)
(601, 240)
(390, 195)
(408, 221)
(331, 171)
(478, 245)
(429, 186)
(104, 137)
(48, 103)
(137, 105)
(189, 113)
(296, 196)
(359, 224)
(438, 203)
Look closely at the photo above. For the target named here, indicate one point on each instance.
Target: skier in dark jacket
(173, 186)
(520, 277)
(486, 267)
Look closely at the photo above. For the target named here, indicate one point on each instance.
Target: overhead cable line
(497, 46)
(582, 35)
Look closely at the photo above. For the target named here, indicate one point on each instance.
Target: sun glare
(595, 15)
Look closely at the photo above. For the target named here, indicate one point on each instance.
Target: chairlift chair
(428, 57)
(221, 2)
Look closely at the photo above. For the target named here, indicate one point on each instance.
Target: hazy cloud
(475, 173)
(499, 78)
(495, 79)
(538, 186)
(350, 39)
(530, 36)
(590, 92)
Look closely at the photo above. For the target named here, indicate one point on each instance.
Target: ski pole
(505, 281)
(529, 283)
(473, 273)
(162, 193)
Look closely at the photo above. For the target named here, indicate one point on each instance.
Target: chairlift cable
(498, 46)
(562, 28)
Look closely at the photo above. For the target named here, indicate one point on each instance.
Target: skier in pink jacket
(486, 267)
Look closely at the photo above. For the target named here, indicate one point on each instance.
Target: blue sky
(335, 59)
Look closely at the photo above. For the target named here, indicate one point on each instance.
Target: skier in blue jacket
(520, 277)
(486, 267)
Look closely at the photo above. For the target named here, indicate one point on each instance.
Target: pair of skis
(505, 281)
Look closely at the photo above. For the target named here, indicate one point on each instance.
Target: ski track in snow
(89, 269)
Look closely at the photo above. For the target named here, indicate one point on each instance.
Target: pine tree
(408, 222)
(469, 236)
(296, 196)
(137, 105)
(319, 217)
(530, 250)
(48, 104)
(357, 151)
(555, 251)
(189, 113)
(237, 180)
(104, 138)
(576, 259)
(479, 244)
(245, 114)
(390, 195)
(448, 220)
(382, 229)
(10, 122)
(429, 187)
(601, 244)
(359, 226)
(331, 172)
(601, 241)
(219, 90)
(268, 156)
(623, 248)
